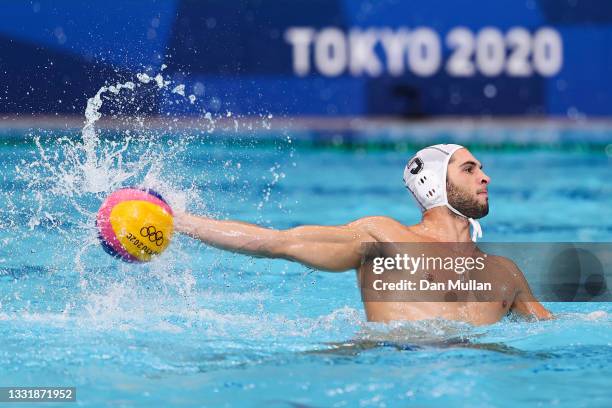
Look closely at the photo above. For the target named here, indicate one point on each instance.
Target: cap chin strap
(476, 228)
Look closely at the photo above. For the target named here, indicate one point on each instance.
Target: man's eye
(469, 169)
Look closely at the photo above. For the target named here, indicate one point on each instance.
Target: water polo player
(450, 187)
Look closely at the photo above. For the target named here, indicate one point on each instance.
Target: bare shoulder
(385, 229)
(375, 223)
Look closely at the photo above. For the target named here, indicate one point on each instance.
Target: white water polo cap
(425, 177)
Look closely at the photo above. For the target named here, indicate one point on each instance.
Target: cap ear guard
(422, 178)
(427, 188)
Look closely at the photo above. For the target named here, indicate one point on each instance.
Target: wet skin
(341, 248)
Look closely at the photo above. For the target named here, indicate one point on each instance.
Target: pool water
(201, 327)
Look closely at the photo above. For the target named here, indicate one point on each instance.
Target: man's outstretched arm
(335, 248)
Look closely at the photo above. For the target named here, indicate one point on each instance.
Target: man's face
(466, 185)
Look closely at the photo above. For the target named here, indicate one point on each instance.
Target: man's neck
(441, 224)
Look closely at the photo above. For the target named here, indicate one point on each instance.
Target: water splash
(94, 171)
(69, 176)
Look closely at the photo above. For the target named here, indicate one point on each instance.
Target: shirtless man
(450, 187)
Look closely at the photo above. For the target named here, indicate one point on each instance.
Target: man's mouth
(483, 192)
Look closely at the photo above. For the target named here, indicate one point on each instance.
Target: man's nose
(485, 179)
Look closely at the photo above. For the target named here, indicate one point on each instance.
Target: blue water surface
(201, 327)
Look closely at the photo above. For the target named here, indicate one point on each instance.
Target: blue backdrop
(316, 57)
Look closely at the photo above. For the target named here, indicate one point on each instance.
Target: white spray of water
(179, 89)
(95, 172)
(98, 178)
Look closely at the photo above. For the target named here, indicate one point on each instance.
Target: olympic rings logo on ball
(153, 234)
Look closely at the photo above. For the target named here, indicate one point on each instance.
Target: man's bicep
(334, 248)
(329, 257)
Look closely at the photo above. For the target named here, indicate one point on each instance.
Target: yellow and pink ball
(135, 224)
